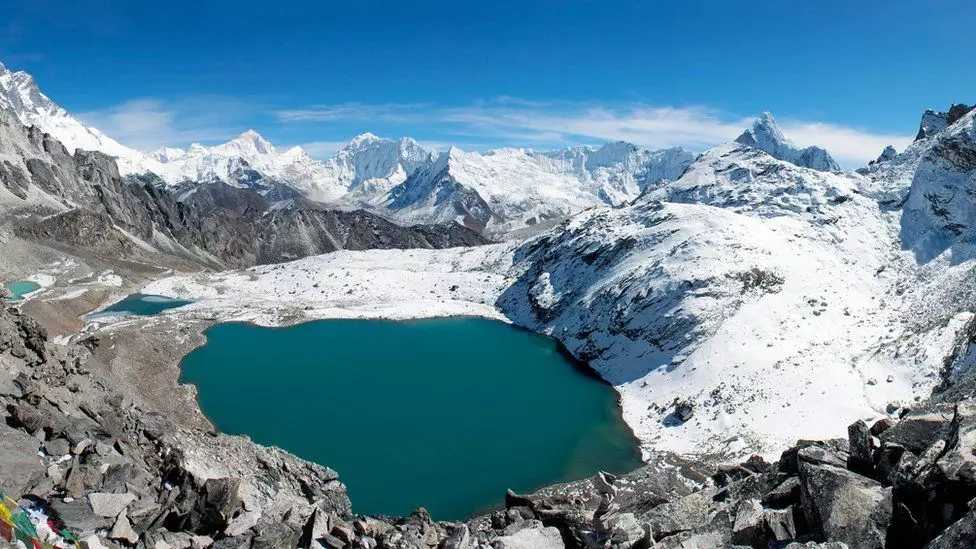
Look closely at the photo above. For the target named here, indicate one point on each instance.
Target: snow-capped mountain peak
(20, 95)
(766, 135)
(248, 144)
(362, 140)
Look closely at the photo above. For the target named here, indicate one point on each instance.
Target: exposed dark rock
(843, 506)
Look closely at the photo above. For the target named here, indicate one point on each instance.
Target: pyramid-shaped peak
(766, 135)
(765, 132)
(251, 138)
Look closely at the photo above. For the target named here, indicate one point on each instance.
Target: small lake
(445, 414)
(139, 305)
(21, 288)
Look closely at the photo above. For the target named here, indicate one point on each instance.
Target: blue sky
(848, 75)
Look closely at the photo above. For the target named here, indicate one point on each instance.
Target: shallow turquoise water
(21, 288)
(444, 413)
(141, 305)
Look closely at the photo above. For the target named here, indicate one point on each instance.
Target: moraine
(446, 413)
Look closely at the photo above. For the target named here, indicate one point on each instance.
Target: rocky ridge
(113, 474)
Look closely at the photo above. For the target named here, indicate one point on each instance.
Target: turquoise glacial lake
(140, 305)
(445, 414)
(21, 288)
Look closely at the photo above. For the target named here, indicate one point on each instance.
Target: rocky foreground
(81, 455)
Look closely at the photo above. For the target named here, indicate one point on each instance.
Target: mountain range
(737, 300)
(496, 192)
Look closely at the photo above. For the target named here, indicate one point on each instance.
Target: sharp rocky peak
(934, 121)
(766, 135)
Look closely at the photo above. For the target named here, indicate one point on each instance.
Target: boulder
(19, 467)
(626, 532)
(749, 527)
(57, 447)
(921, 427)
(860, 459)
(780, 524)
(959, 461)
(109, 505)
(881, 426)
(535, 537)
(218, 504)
(833, 451)
(122, 531)
(840, 505)
(460, 538)
(785, 494)
(684, 409)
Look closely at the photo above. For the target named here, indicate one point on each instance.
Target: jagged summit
(363, 139)
(934, 121)
(766, 135)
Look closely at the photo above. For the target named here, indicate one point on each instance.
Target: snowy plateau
(779, 296)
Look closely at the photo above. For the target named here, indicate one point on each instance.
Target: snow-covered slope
(766, 135)
(20, 96)
(782, 301)
(507, 189)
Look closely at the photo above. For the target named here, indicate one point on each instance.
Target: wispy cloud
(147, 124)
(392, 112)
(512, 121)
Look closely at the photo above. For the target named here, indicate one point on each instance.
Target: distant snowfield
(372, 284)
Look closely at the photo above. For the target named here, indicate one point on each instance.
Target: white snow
(390, 284)
(20, 95)
(780, 299)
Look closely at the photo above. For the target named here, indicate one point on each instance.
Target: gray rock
(274, 536)
(531, 538)
(749, 527)
(684, 409)
(92, 542)
(626, 531)
(110, 505)
(781, 524)
(861, 458)
(122, 531)
(921, 428)
(786, 493)
(79, 517)
(959, 462)
(842, 506)
(460, 538)
(881, 426)
(19, 465)
(219, 503)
